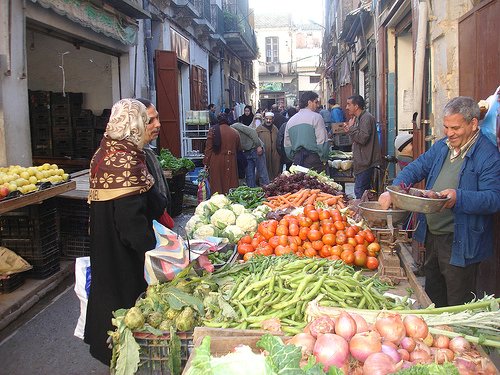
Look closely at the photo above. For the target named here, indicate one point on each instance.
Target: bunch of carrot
(304, 197)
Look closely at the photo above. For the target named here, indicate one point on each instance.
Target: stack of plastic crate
(32, 232)
(41, 123)
(62, 131)
(74, 216)
(100, 126)
(84, 131)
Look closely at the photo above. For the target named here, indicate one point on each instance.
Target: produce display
(170, 162)
(404, 189)
(304, 197)
(247, 196)
(27, 180)
(293, 182)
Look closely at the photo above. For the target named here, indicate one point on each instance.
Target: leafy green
(170, 162)
(178, 299)
(128, 353)
(430, 369)
(200, 365)
(285, 359)
(174, 353)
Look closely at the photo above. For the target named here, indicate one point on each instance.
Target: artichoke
(154, 319)
(171, 314)
(165, 325)
(134, 318)
(185, 321)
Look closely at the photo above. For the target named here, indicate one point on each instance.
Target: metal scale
(387, 225)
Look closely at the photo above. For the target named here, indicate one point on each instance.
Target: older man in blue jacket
(464, 166)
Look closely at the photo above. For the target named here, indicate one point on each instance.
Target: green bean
(241, 286)
(243, 312)
(255, 285)
(314, 291)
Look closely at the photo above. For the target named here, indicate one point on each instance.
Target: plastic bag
(203, 186)
(82, 290)
(489, 123)
(11, 263)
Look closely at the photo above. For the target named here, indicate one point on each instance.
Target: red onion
(420, 356)
(365, 343)
(361, 324)
(405, 356)
(441, 342)
(415, 327)
(459, 345)
(420, 345)
(443, 355)
(345, 326)
(380, 364)
(331, 350)
(322, 324)
(390, 343)
(305, 341)
(408, 344)
(391, 352)
(465, 366)
(391, 328)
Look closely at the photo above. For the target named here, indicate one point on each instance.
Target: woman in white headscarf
(121, 211)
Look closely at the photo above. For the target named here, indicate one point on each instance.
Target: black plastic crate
(73, 246)
(342, 140)
(334, 172)
(40, 254)
(61, 121)
(101, 122)
(83, 153)
(73, 209)
(98, 134)
(61, 110)
(46, 270)
(31, 222)
(40, 119)
(85, 120)
(39, 98)
(11, 283)
(41, 133)
(62, 133)
(58, 98)
(84, 134)
(42, 149)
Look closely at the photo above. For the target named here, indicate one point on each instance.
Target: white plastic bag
(82, 290)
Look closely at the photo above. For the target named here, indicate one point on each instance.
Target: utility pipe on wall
(418, 74)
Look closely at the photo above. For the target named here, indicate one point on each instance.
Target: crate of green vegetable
(176, 165)
(224, 256)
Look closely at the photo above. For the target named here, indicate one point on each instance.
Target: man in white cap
(404, 149)
(268, 134)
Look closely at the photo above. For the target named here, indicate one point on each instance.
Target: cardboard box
(337, 127)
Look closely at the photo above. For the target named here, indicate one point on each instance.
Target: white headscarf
(128, 121)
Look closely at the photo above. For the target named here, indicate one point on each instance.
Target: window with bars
(272, 55)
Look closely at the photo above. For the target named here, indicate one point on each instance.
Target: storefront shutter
(167, 99)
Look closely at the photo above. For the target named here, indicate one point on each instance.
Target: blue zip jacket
(478, 197)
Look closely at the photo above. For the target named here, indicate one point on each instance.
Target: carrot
(311, 199)
(340, 204)
(302, 199)
(331, 201)
(270, 205)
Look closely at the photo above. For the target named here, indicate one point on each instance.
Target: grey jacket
(365, 146)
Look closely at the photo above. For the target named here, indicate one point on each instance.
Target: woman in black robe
(121, 212)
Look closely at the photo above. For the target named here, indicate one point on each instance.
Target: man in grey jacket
(365, 146)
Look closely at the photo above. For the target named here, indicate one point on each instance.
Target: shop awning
(98, 19)
(352, 24)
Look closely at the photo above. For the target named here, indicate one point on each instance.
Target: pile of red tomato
(317, 232)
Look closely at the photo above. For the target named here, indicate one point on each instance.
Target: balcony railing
(203, 7)
(217, 19)
(235, 21)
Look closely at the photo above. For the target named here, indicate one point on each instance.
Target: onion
(441, 342)
(323, 324)
(459, 345)
(420, 345)
(415, 327)
(391, 328)
(380, 364)
(443, 355)
(420, 356)
(345, 326)
(391, 352)
(305, 341)
(331, 350)
(365, 343)
(361, 324)
(408, 344)
(429, 340)
(405, 356)
(465, 366)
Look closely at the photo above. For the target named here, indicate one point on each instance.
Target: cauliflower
(222, 218)
(217, 202)
(247, 223)
(233, 233)
(238, 209)
(202, 209)
(206, 230)
(260, 212)
(194, 223)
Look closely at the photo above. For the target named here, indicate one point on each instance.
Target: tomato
(247, 256)
(284, 222)
(300, 254)
(293, 229)
(325, 251)
(314, 235)
(274, 241)
(264, 249)
(304, 221)
(340, 239)
(350, 232)
(351, 241)
(306, 245)
(362, 233)
(328, 239)
(294, 247)
(336, 250)
(339, 225)
(356, 228)
(307, 208)
(295, 239)
(246, 239)
(374, 247)
(324, 215)
(281, 229)
(329, 228)
(362, 248)
(348, 247)
(313, 215)
(282, 250)
(283, 240)
(293, 220)
(360, 258)
(310, 252)
(245, 248)
(315, 225)
(267, 228)
(303, 233)
(359, 239)
(347, 256)
(333, 257)
(369, 236)
(255, 242)
(317, 245)
(372, 263)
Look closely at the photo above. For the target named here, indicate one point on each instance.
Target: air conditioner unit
(273, 68)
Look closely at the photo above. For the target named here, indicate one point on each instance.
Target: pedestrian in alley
(212, 116)
(279, 119)
(465, 167)
(284, 161)
(247, 116)
(220, 156)
(366, 152)
(257, 120)
(268, 134)
(336, 113)
(121, 215)
(306, 139)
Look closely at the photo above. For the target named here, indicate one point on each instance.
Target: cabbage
(206, 230)
(233, 233)
(247, 222)
(237, 208)
(222, 218)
